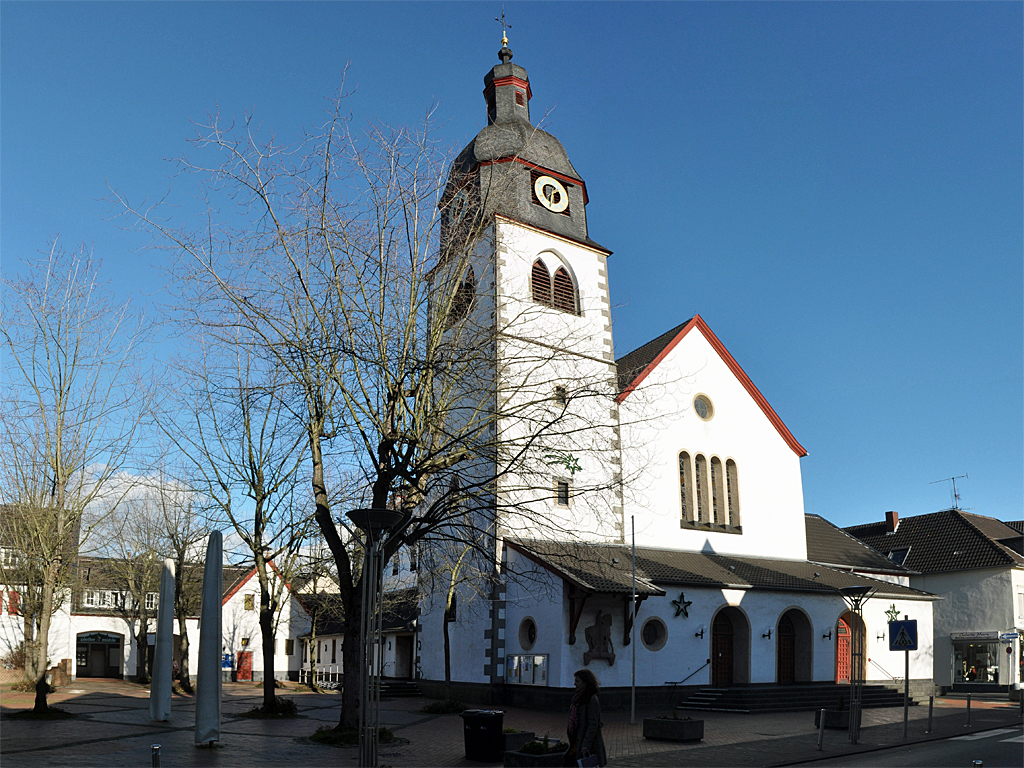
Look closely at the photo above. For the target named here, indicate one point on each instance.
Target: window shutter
(565, 292)
(541, 283)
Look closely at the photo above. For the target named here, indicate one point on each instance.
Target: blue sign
(225, 663)
(903, 635)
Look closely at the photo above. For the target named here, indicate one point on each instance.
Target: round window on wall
(654, 634)
(527, 633)
(703, 408)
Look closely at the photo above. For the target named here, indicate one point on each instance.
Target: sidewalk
(113, 729)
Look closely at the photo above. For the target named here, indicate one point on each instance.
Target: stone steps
(789, 698)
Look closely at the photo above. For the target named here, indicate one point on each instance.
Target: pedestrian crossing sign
(903, 635)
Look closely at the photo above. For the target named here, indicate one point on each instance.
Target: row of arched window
(709, 490)
(556, 290)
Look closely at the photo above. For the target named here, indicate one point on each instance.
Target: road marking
(1014, 740)
(983, 734)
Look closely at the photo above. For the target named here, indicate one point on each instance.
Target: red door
(721, 651)
(244, 667)
(842, 652)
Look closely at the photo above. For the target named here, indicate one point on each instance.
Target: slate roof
(400, 610)
(632, 364)
(950, 540)
(592, 567)
(830, 545)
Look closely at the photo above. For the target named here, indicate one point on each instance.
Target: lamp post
(856, 596)
(377, 525)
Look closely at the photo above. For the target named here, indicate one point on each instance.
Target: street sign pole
(906, 686)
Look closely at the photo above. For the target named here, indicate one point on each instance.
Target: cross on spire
(504, 24)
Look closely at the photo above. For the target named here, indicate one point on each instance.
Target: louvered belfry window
(564, 291)
(558, 292)
(541, 283)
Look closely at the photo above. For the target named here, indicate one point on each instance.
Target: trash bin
(484, 739)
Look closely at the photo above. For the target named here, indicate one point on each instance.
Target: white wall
(658, 421)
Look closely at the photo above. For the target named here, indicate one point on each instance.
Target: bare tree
(246, 455)
(69, 421)
(360, 267)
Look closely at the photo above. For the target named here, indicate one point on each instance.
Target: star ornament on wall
(682, 605)
(892, 613)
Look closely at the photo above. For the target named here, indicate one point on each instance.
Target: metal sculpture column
(856, 596)
(160, 685)
(208, 678)
(376, 524)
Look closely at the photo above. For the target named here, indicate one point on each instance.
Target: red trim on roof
(534, 166)
(738, 372)
(241, 583)
(509, 80)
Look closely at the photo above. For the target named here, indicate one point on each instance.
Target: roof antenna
(956, 496)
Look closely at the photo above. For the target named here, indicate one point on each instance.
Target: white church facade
(671, 443)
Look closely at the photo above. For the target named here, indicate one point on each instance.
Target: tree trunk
(142, 649)
(447, 662)
(267, 634)
(184, 678)
(29, 630)
(43, 638)
(352, 655)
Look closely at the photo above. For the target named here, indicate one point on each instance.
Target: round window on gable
(654, 634)
(527, 633)
(703, 408)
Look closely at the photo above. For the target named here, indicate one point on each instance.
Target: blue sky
(836, 187)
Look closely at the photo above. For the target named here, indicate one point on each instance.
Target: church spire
(507, 86)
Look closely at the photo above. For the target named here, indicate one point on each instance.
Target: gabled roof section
(829, 545)
(950, 540)
(635, 366)
(593, 568)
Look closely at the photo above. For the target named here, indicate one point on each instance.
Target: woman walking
(584, 728)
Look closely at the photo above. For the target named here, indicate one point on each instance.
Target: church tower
(541, 287)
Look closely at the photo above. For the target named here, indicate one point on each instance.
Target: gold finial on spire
(504, 24)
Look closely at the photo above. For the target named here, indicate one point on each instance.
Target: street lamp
(856, 596)
(376, 524)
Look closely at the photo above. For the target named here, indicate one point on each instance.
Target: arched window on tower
(732, 488)
(686, 485)
(540, 281)
(463, 298)
(564, 292)
(717, 496)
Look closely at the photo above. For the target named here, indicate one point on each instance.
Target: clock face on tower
(551, 194)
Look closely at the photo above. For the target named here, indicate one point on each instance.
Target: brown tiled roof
(632, 364)
(950, 540)
(830, 545)
(592, 567)
(400, 610)
(1017, 525)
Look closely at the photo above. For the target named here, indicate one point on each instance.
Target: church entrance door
(721, 651)
(786, 651)
(842, 652)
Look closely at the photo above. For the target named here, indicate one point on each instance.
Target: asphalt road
(999, 748)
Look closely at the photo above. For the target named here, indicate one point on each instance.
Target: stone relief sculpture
(599, 639)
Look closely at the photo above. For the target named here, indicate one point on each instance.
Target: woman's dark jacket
(588, 731)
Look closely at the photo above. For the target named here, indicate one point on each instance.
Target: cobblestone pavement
(113, 729)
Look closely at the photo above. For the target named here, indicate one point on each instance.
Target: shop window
(82, 656)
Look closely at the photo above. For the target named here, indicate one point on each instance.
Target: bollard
(968, 723)
(821, 731)
(931, 705)
(155, 749)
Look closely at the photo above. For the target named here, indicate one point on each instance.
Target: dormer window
(520, 100)
(558, 291)
(899, 556)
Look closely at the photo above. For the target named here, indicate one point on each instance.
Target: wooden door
(785, 651)
(842, 652)
(97, 661)
(244, 666)
(721, 651)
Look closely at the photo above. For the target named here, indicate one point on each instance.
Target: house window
(334, 650)
(245, 642)
(558, 291)
(412, 557)
(732, 491)
(89, 598)
(717, 497)
(899, 556)
(250, 602)
(305, 648)
(562, 493)
(686, 485)
(289, 647)
(152, 601)
(702, 490)
(561, 396)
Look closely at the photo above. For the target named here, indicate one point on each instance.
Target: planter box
(553, 760)
(834, 718)
(664, 729)
(513, 741)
